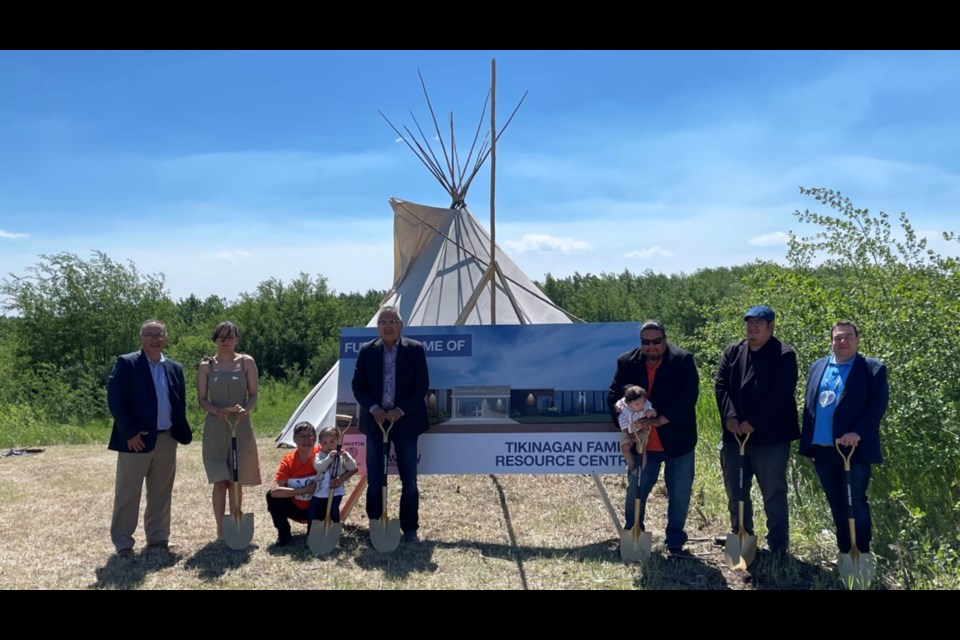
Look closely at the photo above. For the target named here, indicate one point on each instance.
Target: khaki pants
(158, 468)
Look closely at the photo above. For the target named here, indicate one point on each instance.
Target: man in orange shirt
(670, 377)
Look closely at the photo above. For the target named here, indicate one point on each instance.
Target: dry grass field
(477, 532)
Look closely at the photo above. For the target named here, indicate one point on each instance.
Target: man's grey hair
(159, 322)
(389, 308)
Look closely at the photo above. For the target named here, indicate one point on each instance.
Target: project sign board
(509, 398)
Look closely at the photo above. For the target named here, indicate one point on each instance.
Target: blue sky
(223, 169)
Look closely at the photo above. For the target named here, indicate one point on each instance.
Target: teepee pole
(521, 316)
(488, 276)
(493, 185)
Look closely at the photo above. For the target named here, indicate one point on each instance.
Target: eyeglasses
(844, 337)
(153, 336)
(390, 322)
(226, 336)
(655, 341)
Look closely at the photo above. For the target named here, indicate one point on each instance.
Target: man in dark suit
(845, 399)
(391, 382)
(147, 397)
(755, 389)
(670, 377)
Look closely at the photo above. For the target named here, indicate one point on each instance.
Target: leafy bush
(905, 299)
(26, 426)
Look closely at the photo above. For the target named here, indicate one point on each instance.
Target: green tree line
(71, 316)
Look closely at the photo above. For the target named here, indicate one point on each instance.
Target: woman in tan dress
(227, 387)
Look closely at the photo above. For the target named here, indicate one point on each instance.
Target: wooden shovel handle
(334, 470)
(851, 521)
(642, 446)
(232, 423)
(386, 430)
(743, 452)
(233, 448)
(234, 494)
(386, 456)
(742, 442)
(846, 458)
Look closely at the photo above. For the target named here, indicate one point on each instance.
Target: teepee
(446, 268)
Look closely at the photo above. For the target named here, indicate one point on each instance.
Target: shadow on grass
(417, 557)
(129, 572)
(517, 556)
(355, 544)
(667, 572)
(216, 559)
(785, 573)
(767, 572)
(409, 557)
(298, 549)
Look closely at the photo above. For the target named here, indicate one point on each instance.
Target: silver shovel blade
(856, 570)
(385, 536)
(238, 534)
(635, 546)
(324, 538)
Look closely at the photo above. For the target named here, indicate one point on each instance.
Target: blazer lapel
(641, 368)
(746, 373)
(855, 368)
(378, 368)
(815, 376)
(143, 372)
(171, 383)
(401, 357)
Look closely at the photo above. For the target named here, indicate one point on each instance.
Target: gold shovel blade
(856, 570)
(238, 531)
(740, 551)
(324, 537)
(385, 535)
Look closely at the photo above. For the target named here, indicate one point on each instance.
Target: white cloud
(234, 256)
(652, 252)
(929, 236)
(10, 235)
(774, 239)
(547, 244)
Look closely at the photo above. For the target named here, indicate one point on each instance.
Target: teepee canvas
(440, 259)
(443, 270)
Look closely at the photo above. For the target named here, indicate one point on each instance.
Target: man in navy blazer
(390, 383)
(146, 394)
(670, 377)
(845, 400)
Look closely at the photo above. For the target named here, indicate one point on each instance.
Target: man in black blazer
(390, 383)
(845, 400)
(755, 387)
(670, 378)
(147, 397)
